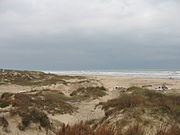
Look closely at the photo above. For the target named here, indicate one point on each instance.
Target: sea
(126, 73)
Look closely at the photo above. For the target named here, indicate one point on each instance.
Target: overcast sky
(89, 34)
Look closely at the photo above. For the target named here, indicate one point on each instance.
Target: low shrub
(49, 101)
(147, 98)
(124, 101)
(90, 92)
(4, 123)
(6, 96)
(84, 129)
(134, 130)
(22, 100)
(104, 130)
(53, 103)
(173, 130)
(77, 129)
(4, 104)
(133, 88)
(40, 117)
(34, 116)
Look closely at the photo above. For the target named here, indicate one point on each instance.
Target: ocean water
(129, 73)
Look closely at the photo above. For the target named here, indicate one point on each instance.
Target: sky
(89, 34)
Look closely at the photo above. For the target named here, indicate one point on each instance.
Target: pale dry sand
(87, 110)
(112, 81)
(13, 88)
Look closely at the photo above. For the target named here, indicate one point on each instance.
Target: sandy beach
(111, 81)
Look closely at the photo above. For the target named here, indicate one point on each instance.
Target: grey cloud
(89, 34)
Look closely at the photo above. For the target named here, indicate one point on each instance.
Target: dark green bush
(4, 104)
(34, 116)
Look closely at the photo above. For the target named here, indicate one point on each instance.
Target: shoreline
(120, 76)
(131, 73)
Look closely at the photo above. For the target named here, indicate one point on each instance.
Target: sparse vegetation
(135, 129)
(136, 105)
(53, 102)
(34, 116)
(174, 130)
(90, 92)
(45, 100)
(124, 101)
(84, 129)
(35, 78)
(4, 123)
(134, 112)
(4, 104)
(145, 98)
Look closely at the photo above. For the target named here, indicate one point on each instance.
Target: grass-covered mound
(145, 98)
(89, 92)
(154, 112)
(34, 107)
(50, 102)
(32, 116)
(35, 78)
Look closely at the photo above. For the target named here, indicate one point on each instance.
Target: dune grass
(4, 123)
(53, 103)
(35, 116)
(136, 129)
(144, 98)
(90, 92)
(84, 129)
(33, 78)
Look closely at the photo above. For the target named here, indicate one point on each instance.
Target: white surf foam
(152, 74)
